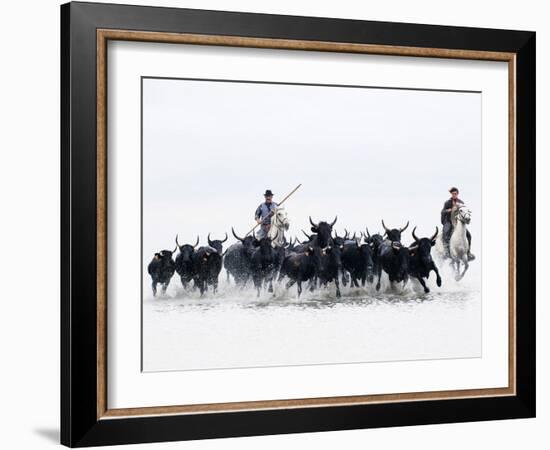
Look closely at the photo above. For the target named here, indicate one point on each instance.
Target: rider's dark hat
(268, 193)
(453, 189)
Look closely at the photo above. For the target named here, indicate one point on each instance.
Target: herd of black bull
(323, 258)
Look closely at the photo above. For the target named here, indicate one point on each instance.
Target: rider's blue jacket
(264, 212)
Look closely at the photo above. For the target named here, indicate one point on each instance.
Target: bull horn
(414, 235)
(209, 241)
(367, 230)
(336, 234)
(197, 243)
(235, 234)
(226, 237)
(386, 229)
(435, 235)
(307, 235)
(174, 251)
(177, 241)
(354, 236)
(334, 221)
(347, 233)
(405, 227)
(311, 222)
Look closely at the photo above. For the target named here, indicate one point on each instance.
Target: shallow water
(182, 331)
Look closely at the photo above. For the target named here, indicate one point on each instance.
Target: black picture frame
(80, 425)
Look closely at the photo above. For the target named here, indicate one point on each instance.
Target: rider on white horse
(263, 214)
(448, 220)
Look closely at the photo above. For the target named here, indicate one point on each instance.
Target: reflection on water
(234, 328)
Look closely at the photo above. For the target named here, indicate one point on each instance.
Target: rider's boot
(471, 256)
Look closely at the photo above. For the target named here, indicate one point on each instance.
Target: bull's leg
(423, 283)
(201, 284)
(344, 277)
(438, 277)
(257, 284)
(354, 281)
(215, 285)
(270, 288)
(165, 286)
(337, 283)
(299, 288)
(290, 284)
(243, 279)
(313, 284)
(379, 274)
(154, 286)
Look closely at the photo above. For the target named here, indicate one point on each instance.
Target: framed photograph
(277, 224)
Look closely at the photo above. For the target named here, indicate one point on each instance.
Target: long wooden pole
(279, 204)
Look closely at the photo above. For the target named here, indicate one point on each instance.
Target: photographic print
(300, 224)
(279, 224)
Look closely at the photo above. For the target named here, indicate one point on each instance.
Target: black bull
(207, 264)
(357, 260)
(237, 259)
(393, 257)
(161, 269)
(264, 263)
(299, 267)
(421, 262)
(327, 255)
(184, 262)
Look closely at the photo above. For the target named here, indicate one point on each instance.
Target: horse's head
(280, 218)
(464, 214)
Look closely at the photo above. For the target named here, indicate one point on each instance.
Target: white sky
(210, 149)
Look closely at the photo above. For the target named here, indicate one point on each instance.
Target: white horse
(458, 244)
(279, 224)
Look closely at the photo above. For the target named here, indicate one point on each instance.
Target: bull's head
(186, 251)
(166, 254)
(394, 234)
(340, 240)
(265, 242)
(181, 246)
(217, 243)
(323, 230)
(373, 240)
(422, 246)
(353, 238)
(247, 241)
